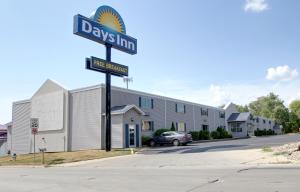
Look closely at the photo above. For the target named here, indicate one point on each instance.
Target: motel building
(71, 120)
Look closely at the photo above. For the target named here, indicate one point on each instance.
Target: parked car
(171, 137)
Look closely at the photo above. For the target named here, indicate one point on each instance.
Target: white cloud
(281, 73)
(256, 5)
(218, 94)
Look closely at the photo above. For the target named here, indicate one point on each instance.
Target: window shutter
(126, 136)
(140, 102)
(152, 126)
(176, 108)
(176, 126)
(152, 103)
(137, 130)
(184, 127)
(184, 108)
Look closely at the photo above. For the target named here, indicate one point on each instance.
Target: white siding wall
(21, 128)
(85, 120)
(117, 131)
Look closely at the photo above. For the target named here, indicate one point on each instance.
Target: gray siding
(85, 120)
(164, 111)
(3, 148)
(117, 131)
(21, 128)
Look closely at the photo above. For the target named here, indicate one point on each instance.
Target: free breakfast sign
(101, 65)
(105, 26)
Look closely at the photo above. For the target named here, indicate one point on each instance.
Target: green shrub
(195, 135)
(220, 133)
(173, 127)
(204, 135)
(215, 135)
(264, 132)
(158, 132)
(145, 140)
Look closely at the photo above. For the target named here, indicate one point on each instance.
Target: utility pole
(127, 80)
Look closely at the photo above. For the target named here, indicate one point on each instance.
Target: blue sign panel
(92, 30)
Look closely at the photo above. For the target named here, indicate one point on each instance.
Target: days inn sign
(105, 26)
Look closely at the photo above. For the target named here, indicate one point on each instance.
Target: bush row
(220, 133)
(264, 132)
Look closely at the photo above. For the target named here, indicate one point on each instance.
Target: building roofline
(21, 101)
(102, 85)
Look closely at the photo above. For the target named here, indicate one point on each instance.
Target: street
(199, 167)
(240, 144)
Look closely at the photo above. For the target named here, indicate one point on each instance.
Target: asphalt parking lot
(207, 167)
(238, 144)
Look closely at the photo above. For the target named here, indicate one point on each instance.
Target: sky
(205, 51)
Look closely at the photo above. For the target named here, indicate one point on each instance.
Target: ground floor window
(181, 127)
(147, 125)
(205, 128)
(236, 127)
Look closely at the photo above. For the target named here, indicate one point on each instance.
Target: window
(205, 128)
(180, 108)
(181, 127)
(222, 115)
(257, 120)
(236, 127)
(204, 112)
(147, 126)
(146, 103)
(264, 121)
(270, 122)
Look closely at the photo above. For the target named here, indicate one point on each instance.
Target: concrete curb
(217, 140)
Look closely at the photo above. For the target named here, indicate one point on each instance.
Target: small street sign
(34, 124)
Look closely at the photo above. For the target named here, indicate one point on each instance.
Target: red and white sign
(34, 124)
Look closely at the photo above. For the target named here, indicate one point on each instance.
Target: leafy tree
(281, 116)
(265, 106)
(242, 108)
(294, 123)
(295, 107)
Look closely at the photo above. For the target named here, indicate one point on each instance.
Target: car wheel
(152, 143)
(176, 142)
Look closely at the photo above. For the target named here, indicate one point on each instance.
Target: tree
(295, 107)
(265, 106)
(242, 108)
(172, 127)
(281, 116)
(294, 122)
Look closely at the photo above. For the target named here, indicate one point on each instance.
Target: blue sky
(206, 51)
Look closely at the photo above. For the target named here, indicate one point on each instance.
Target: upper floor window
(180, 108)
(222, 114)
(146, 103)
(269, 122)
(264, 121)
(257, 120)
(204, 112)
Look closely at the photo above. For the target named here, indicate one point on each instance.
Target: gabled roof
(238, 117)
(116, 110)
(2, 127)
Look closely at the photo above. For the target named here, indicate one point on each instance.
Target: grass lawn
(61, 157)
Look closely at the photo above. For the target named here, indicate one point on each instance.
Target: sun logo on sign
(110, 18)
